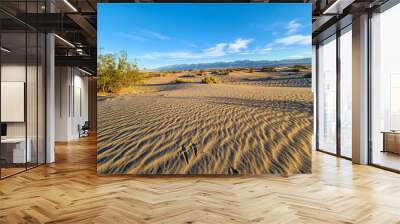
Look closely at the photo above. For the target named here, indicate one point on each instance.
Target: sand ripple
(207, 129)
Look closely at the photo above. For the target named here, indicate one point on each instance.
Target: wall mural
(204, 89)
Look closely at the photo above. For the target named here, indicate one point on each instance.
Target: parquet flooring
(70, 191)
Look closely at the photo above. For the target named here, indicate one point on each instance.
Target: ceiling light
(5, 50)
(86, 72)
(65, 41)
(337, 7)
(332, 7)
(70, 5)
(79, 51)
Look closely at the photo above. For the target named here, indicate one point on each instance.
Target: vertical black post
(316, 98)
(37, 88)
(369, 80)
(26, 86)
(338, 73)
(45, 96)
(45, 89)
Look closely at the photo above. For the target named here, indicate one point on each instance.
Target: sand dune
(229, 128)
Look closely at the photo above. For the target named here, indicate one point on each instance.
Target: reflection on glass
(31, 101)
(394, 102)
(14, 153)
(385, 89)
(327, 96)
(22, 91)
(346, 93)
(41, 99)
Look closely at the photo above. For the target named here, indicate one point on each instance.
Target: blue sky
(164, 34)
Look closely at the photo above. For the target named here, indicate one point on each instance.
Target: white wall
(33, 126)
(13, 101)
(80, 109)
(16, 73)
(70, 83)
(13, 72)
(62, 81)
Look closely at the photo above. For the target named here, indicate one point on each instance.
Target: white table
(19, 153)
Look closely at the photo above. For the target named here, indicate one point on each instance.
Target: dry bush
(210, 80)
(115, 71)
(181, 80)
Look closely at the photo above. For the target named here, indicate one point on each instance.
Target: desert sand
(251, 123)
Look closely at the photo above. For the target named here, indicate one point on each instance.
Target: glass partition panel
(327, 95)
(385, 89)
(41, 98)
(346, 92)
(14, 153)
(22, 66)
(31, 98)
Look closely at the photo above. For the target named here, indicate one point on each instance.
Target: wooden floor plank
(70, 191)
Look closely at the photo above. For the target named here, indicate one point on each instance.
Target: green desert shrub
(201, 73)
(291, 70)
(188, 76)
(225, 72)
(115, 71)
(210, 80)
(181, 80)
(300, 67)
(268, 69)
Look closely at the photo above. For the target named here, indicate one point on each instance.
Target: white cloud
(144, 35)
(293, 26)
(183, 55)
(239, 44)
(156, 35)
(298, 56)
(151, 56)
(218, 50)
(257, 51)
(294, 39)
(131, 36)
(266, 49)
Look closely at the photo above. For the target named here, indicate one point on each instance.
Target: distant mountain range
(235, 64)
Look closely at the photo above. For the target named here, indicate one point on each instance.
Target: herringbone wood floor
(70, 191)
